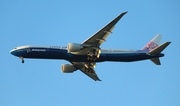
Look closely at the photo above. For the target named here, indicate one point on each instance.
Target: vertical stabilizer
(153, 43)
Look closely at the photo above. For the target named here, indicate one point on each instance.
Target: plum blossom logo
(151, 45)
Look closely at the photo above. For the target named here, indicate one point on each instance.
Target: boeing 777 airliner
(83, 56)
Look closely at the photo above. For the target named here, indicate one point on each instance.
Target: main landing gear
(22, 59)
(89, 70)
(90, 65)
(93, 55)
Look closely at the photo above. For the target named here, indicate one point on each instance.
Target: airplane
(84, 56)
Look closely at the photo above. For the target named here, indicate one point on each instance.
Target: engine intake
(68, 68)
(74, 47)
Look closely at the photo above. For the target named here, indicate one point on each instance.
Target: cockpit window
(15, 48)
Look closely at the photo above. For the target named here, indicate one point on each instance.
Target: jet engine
(68, 68)
(74, 47)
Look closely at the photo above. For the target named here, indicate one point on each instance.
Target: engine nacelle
(74, 47)
(68, 68)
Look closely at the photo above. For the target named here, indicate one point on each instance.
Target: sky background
(58, 22)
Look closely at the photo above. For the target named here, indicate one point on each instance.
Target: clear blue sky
(58, 22)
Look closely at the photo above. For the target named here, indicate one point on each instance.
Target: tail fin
(153, 48)
(158, 50)
(153, 43)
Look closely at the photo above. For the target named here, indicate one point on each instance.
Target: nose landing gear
(22, 59)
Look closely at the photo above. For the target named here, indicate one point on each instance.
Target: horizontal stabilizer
(153, 43)
(156, 61)
(159, 49)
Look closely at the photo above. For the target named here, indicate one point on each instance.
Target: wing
(98, 38)
(83, 67)
(94, 42)
(91, 73)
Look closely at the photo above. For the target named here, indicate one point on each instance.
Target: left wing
(91, 73)
(98, 38)
(83, 67)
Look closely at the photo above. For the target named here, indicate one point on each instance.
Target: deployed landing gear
(90, 65)
(93, 55)
(22, 59)
(89, 70)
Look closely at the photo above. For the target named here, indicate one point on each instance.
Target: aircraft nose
(13, 52)
(18, 51)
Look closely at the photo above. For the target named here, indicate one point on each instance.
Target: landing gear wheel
(89, 70)
(22, 59)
